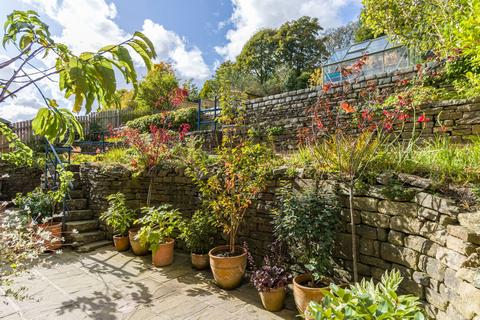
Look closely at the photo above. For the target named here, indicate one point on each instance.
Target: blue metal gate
(208, 116)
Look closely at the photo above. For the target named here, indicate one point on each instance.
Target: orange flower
(347, 107)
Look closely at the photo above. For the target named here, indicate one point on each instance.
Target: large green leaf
(148, 42)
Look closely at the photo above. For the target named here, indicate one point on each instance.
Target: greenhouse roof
(356, 50)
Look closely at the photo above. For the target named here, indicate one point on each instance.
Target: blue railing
(211, 114)
(52, 176)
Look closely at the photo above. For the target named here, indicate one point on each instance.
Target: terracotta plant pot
(228, 271)
(55, 241)
(163, 256)
(274, 299)
(303, 294)
(200, 261)
(121, 242)
(137, 247)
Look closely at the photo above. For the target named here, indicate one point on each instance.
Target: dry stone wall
(427, 236)
(285, 115)
(15, 180)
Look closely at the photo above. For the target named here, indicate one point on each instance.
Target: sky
(195, 36)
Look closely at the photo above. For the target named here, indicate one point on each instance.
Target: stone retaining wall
(15, 180)
(428, 237)
(286, 114)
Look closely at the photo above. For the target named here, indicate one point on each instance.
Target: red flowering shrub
(153, 149)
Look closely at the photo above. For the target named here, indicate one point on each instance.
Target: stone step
(77, 194)
(75, 215)
(77, 204)
(82, 238)
(93, 246)
(81, 226)
(73, 167)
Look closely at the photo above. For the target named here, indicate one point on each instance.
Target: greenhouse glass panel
(382, 56)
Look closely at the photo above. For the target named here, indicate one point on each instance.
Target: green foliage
(158, 225)
(446, 28)
(118, 216)
(306, 222)
(364, 32)
(193, 92)
(20, 154)
(230, 180)
(40, 205)
(57, 124)
(117, 155)
(272, 61)
(340, 37)
(87, 77)
(156, 89)
(170, 119)
(199, 232)
(259, 56)
(426, 25)
(438, 159)
(299, 46)
(368, 301)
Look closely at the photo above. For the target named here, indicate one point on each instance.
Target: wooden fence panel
(92, 122)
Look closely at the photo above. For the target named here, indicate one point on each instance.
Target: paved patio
(107, 285)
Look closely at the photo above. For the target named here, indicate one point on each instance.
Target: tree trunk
(232, 242)
(354, 234)
(149, 194)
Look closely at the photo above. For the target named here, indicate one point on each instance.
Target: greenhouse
(383, 56)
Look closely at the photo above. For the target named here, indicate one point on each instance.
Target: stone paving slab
(108, 285)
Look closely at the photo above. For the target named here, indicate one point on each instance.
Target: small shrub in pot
(159, 227)
(229, 182)
(366, 300)
(271, 279)
(39, 207)
(120, 219)
(198, 233)
(306, 223)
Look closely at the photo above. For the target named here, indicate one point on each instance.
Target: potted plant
(40, 208)
(159, 225)
(228, 182)
(120, 218)
(198, 235)
(271, 279)
(306, 223)
(367, 300)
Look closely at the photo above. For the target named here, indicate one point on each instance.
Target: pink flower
(423, 119)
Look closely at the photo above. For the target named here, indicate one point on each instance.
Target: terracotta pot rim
(169, 241)
(222, 248)
(199, 254)
(305, 276)
(49, 224)
(274, 289)
(119, 236)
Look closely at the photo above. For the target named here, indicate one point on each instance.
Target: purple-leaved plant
(273, 273)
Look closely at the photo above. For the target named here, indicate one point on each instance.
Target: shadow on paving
(108, 285)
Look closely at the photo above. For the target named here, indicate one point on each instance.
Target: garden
(350, 200)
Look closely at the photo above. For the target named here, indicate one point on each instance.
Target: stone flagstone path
(107, 285)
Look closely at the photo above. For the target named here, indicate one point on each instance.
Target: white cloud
(251, 15)
(87, 25)
(169, 46)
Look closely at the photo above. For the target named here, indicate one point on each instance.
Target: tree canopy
(273, 60)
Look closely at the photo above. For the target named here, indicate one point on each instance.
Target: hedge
(173, 118)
